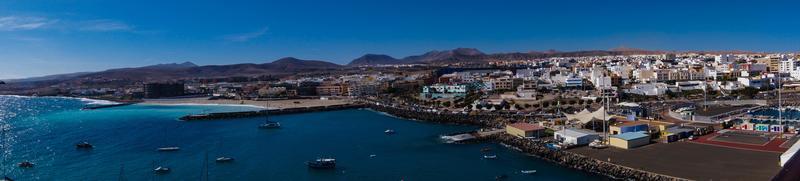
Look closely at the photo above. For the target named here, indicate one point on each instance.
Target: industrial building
(525, 130)
(572, 136)
(629, 140)
(627, 127)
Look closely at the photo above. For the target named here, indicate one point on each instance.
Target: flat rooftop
(630, 135)
(526, 126)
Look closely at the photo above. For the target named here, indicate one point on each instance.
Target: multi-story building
(724, 59)
(332, 90)
(443, 91)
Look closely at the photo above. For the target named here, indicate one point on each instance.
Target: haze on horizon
(51, 37)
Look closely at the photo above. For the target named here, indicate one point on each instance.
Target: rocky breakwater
(246, 114)
(484, 120)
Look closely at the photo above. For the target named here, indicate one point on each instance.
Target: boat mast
(3, 145)
(266, 110)
(122, 172)
(204, 173)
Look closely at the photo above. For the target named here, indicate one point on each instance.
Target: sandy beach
(279, 104)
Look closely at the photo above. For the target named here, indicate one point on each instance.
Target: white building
(753, 82)
(576, 137)
(651, 89)
(690, 85)
(788, 65)
(724, 59)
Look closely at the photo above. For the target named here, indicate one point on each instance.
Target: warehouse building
(525, 130)
(629, 140)
(627, 127)
(576, 137)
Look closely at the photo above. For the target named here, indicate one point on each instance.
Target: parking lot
(692, 161)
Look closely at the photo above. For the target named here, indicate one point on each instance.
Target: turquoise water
(44, 131)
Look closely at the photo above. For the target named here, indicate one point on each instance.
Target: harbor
(258, 153)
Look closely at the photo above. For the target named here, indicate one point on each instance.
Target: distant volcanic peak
(287, 60)
(467, 51)
(188, 64)
(377, 57)
(291, 63)
(373, 59)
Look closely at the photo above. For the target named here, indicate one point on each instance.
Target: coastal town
(666, 116)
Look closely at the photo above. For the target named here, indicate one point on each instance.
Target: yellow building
(629, 140)
(524, 130)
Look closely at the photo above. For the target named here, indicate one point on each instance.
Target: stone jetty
(246, 114)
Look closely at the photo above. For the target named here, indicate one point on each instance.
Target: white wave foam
(97, 102)
(85, 100)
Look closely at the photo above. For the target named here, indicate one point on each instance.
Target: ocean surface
(44, 131)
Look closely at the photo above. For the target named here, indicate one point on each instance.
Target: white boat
(489, 156)
(372, 156)
(389, 131)
(597, 144)
(161, 170)
(457, 138)
(528, 171)
(172, 148)
(25, 164)
(269, 125)
(224, 159)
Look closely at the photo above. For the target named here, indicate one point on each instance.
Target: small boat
(322, 163)
(172, 148)
(269, 125)
(528, 171)
(25, 164)
(372, 156)
(489, 156)
(597, 144)
(389, 131)
(224, 159)
(161, 170)
(84, 145)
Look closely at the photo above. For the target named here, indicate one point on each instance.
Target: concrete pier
(246, 114)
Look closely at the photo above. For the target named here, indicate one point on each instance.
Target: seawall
(246, 114)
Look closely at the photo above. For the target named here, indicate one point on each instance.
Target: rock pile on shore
(486, 120)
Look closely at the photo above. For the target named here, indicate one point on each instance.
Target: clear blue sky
(62, 36)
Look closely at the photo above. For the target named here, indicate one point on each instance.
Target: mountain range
(290, 65)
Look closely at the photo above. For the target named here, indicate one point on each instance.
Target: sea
(44, 131)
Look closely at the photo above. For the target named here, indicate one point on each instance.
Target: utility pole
(605, 122)
(780, 105)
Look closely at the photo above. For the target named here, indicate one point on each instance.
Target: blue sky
(62, 36)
